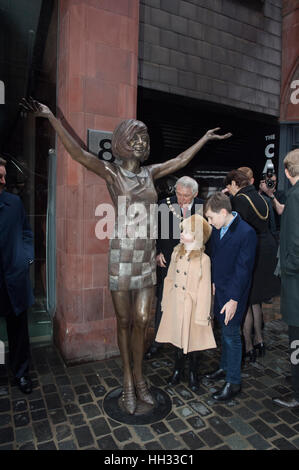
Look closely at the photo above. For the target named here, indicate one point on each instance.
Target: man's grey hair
(188, 182)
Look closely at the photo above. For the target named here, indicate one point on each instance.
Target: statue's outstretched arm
(162, 169)
(87, 159)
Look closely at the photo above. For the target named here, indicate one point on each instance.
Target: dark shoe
(216, 375)
(128, 399)
(251, 355)
(25, 384)
(260, 349)
(152, 351)
(227, 392)
(178, 367)
(293, 403)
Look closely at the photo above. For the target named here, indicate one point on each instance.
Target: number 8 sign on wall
(99, 143)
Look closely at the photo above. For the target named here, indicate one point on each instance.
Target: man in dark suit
(16, 254)
(171, 212)
(289, 266)
(232, 251)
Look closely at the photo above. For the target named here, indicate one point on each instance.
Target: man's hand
(229, 309)
(266, 190)
(161, 261)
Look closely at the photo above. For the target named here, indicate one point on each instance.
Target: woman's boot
(178, 367)
(193, 375)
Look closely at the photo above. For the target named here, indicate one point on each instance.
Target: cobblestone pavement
(65, 409)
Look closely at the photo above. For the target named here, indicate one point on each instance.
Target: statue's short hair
(188, 182)
(122, 135)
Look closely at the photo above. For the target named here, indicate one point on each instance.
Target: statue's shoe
(129, 399)
(143, 392)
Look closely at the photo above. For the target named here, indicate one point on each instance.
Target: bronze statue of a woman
(132, 265)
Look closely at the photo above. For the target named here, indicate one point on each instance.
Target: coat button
(183, 288)
(175, 285)
(177, 270)
(185, 273)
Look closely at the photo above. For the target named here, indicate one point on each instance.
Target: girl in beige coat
(186, 302)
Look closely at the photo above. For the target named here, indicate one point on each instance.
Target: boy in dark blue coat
(232, 251)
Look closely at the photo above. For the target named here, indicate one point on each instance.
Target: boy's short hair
(218, 201)
(291, 162)
(2, 162)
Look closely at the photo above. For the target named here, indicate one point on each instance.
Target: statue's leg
(123, 306)
(143, 304)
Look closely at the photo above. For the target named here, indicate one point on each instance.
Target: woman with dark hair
(253, 208)
(132, 259)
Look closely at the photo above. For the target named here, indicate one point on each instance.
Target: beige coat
(186, 304)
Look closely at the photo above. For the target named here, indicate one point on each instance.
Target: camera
(267, 178)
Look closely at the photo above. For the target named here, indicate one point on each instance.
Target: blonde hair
(291, 162)
(201, 230)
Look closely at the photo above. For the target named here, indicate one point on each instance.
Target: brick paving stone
(67, 445)
(42, 431)
(72, 408)
(287, 417)
(258, 442)
(81, 389)
(269, 417)
(38, 415)
(85, 398)
(192, 441)
(49, 388)
(122, 434)
(160, 428)
(77, 379)
(170, 442)
(240, 426)
(237, 442)
(262, 428)
(83, 436)
(21, 419)
(63, 431)
(196, 423)
(153, 446)
(285, 430)
(63, 380)
(77, 420)
(93, 379)
(184, 392)
(91, 410)
(283, 444)
(28, 446)
(156, 380)
(210, 438)
(222, 411)
(4, 419)
(144, 433)
(107, 443)
(254, 405)
(220, 426)
(111, 382)
(47, 446)
(19, 405)
(37, 404)
(53, 401)
(57, 416)
(256, 393)
(295, 442)
(296, 427)
(280, 390)
(132, 446)
(99, 390)
(171, 416)
(185, 412)
(176, 401)
(200, 408)
(6, 435)
(3, 391)
(177, 425)
(100, 427)
(4, 405)
(113, 424)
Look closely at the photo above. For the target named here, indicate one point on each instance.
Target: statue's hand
(38, 109)
(210, 135)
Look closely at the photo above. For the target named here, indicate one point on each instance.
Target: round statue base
(144, 414)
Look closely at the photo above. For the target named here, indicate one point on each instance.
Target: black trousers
(18, 337)
(294, 349)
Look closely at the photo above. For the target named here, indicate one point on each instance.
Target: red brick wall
(97, 88)
(290, 59)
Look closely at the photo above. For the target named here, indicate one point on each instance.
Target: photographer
(267, 186)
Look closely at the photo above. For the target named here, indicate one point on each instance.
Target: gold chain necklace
(254, 208)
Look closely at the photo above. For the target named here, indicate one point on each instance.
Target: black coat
(16, 253)
(264, 283)
(289, 258)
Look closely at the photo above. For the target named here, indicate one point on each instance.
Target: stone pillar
(97, 88)
(289, 111)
